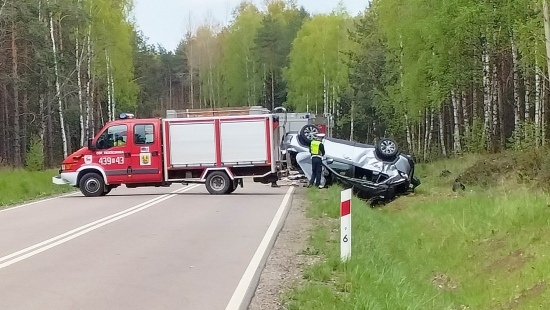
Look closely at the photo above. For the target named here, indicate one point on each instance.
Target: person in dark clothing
(317, 151)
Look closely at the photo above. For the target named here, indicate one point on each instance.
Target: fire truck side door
(146, 153)
(112, 153)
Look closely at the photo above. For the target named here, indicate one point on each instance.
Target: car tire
(218, 183)
(307, 133)
(387, 149)
(92, 185)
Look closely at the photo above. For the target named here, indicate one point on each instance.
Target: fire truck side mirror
(91, 145)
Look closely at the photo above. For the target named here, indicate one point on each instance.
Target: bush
(35, 155)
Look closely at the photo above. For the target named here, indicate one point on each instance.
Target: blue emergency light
(125, 116)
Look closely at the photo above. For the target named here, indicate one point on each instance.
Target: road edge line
(243, 294)
(36, 201)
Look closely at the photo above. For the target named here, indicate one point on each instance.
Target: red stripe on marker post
(345, 224)
(345, 208)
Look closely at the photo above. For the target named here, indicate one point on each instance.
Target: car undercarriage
(377, 173)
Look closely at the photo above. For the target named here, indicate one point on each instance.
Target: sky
(165, 22)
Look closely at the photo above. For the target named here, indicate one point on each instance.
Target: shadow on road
(182, 194)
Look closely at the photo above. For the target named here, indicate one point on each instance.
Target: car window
(143, 134)
(113, 136)
(342, 168)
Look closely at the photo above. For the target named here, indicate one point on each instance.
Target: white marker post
(345, 224)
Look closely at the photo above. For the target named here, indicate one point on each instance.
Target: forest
(442, 77)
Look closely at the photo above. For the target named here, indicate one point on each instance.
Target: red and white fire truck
(218, 151)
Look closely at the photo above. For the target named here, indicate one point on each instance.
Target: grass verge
(17, 186)
(483, 248)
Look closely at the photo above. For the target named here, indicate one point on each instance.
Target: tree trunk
(109, 88)
(6, 123)
(465, 114)
(248, 81)
(430, 133)
(537, 104)
(352, 120)
(78, 59)
(487, 97)
(442, 132)
(543, 115)
(426, 134)
(527, 99)
(456, 132)
(50, 134)
(272, 90)
(16, 113)
(43, 123)
(515, 77)
(500, 99)
(89, 90)
(58, 88)
(494, 92)
(409, 135)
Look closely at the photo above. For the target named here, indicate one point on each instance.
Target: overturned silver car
(377, 172)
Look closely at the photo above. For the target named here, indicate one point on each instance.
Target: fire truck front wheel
(218, 183)
(92, 185)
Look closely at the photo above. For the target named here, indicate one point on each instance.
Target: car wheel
(308, 132)
(387, 149)
(92, 185)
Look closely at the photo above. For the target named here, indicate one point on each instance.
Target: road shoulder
(286, 261)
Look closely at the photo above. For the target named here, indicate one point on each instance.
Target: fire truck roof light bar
(125, 116)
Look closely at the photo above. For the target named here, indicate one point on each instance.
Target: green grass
(436, 249)
(17, 186)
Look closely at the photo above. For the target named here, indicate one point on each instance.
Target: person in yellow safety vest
(317, 151)
(119, 140)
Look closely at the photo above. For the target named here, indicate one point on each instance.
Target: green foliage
(35, 155)
(318, 73)
(524, 137)
(434, 250)
(239, 60)
(113, 36)
(18, 186)
(474, 139)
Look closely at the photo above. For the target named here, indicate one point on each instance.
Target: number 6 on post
(345, 224)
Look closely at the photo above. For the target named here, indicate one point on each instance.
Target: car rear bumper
(65, 178)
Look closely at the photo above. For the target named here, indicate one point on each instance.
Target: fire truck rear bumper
(65, 178)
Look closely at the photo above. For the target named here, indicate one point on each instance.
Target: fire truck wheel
(218, 183)
(106, 191)
(92, 185)
(233, 187)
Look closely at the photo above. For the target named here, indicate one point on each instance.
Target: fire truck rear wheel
(92, 185)
(233, 187)
(218, 183)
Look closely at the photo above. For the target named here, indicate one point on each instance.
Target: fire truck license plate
(119, 160)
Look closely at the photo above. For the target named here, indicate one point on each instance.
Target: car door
(112, 153)
(146, 153)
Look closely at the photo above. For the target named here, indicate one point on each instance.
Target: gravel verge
(286, 260)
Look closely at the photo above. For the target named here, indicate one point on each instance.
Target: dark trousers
(316, 170)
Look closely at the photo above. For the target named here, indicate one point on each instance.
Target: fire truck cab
(218, 151)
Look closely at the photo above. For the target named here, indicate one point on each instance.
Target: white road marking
(242, 289)
(45, 245)
(38, 201)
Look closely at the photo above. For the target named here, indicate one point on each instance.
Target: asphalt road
(135, 248)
